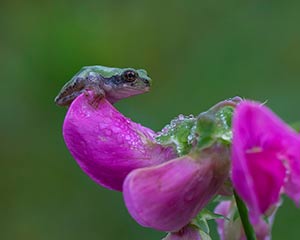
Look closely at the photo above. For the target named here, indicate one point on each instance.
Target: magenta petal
(107, 145)
(223, 208)
(230, 227)
(262, 146)
(292, 186)
(168, 196)
(186, 233)
(267, 173)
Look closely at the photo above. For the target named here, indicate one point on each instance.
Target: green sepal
(187, 133)
(223, 122)
(213, 126)
(204, 130)
(208, 215)
(221, 198)
(204, 235)
(200, 222)
(177, 134)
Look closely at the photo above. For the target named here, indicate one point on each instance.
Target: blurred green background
(197, 53)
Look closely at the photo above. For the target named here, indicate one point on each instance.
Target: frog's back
(106, 72)
(103, 71)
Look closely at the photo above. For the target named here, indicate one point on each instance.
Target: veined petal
(107, 145)
(263, 148)
(166, 197)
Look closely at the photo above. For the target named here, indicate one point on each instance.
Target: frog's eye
(130, 75)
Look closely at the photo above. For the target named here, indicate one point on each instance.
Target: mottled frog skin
(112, 83)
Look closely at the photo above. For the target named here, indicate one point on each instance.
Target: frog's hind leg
(67, 100)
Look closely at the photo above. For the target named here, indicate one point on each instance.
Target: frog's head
(129, 82)
(137, 80)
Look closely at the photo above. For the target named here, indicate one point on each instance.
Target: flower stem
(249, 232)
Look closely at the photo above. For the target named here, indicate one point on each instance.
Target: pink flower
(265, 159)
(161, 190)
(167, 196)
(107, 145)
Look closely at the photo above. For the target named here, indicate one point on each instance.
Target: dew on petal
(181, 117)
(106, 145)
(127, 137)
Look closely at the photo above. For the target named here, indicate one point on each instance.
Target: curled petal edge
(107, 145)
(166, 197)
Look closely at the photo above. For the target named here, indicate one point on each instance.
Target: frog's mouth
(141, 85)
(146, 89)
(135, 89)
(127, 90)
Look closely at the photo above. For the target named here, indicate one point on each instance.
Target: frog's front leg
(95, 84)
(68, 99)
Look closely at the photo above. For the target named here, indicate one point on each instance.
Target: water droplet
(165, 129)
(173, 123)
(127, 137)
(190, 138)
(158, 134)
(181, 117)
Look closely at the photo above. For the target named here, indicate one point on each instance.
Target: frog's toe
(65, 101)
(94, 100)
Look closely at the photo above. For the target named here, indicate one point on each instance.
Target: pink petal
(230, 228)
(292, 186)
(107, 145)
(186, 233)
(262, 230)
(223, 208)
(261, 145)
(168, 196)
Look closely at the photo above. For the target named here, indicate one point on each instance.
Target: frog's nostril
(147, 81)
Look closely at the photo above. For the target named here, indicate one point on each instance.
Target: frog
(110, 83)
